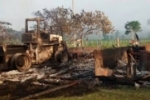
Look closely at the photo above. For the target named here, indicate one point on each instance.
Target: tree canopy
(80, 24)
(5, 35)
(133, 27)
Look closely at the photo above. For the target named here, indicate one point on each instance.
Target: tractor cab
(38, 35)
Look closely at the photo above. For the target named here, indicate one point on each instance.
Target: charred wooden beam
(50, 90)
(74, 77)
(62, 71)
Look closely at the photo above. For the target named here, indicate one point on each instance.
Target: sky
(118, 11)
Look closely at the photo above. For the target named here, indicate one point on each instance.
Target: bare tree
(81, 24)
(4, 32)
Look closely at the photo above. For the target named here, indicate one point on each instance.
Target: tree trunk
(50, 90)
(133, 35)
(82, 41)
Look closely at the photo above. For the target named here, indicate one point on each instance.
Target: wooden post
(82, 43)
(131, 68)
(118, 42)
(134, 70)
(128, 69)
(92, 43)
(128, 72)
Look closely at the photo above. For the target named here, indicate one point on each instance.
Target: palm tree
(133, 27)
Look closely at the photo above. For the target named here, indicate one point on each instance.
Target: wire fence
(106, 43)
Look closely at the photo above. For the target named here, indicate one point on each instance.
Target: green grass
(108, 43)
(81, 92)
(101, 93)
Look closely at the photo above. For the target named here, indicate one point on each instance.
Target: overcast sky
(118, 11)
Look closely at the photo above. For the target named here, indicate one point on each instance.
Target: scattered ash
(15, 84)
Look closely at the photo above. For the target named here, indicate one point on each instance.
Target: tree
(5, 31)
(123, 37)
(148, 21)
(117, 34)
(81, 24)
(133, 27)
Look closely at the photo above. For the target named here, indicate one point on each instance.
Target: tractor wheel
(21, 61)
(61, 56)
(64, 57)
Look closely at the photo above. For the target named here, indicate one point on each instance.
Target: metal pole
(73, 6)
(73, 23)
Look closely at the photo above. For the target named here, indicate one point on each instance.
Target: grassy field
(108, 43)
(102, 93)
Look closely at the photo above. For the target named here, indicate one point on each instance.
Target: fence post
(97, 42)
(86, 43)
(118, 42)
